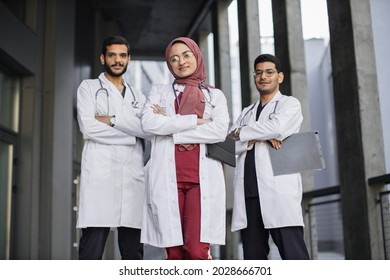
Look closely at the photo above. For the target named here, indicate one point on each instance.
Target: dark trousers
(189, 208)
(289, 240)
(93, 241)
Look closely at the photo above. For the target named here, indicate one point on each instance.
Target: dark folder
(223, 151)
(299, 152)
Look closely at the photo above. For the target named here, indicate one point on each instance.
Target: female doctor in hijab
(185, 190)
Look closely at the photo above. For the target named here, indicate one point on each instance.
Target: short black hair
(268, 58)
(119, 40)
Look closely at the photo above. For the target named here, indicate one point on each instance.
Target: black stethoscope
(103, 90)
(201, 86)
(271, 116)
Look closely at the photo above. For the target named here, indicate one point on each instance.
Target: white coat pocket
(101, 163)
(283, 184)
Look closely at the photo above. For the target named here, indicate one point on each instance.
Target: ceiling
(150, 25)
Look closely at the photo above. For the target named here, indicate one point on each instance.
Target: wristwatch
(112, 121)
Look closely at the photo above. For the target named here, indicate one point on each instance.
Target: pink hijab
(192, 101)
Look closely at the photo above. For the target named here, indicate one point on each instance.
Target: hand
(251, 142)
(203, 121)
(157, 109)
(104, 119)
(235, 134)
(275, 143)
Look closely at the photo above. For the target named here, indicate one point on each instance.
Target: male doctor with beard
(265, 204)
(112, 169)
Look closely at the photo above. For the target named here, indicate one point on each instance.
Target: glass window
(266, 27)
(9, 101)
(6, 155)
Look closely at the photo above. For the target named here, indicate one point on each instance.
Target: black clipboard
(299, 152)
(224, 152)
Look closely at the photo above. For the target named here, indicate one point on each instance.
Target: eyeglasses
(187, 55)
(268, 73)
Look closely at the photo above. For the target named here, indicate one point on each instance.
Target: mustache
(117, 64)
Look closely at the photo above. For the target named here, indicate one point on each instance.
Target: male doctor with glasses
(265, 204)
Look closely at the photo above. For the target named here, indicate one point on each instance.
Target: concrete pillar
(249, 43)
(358, 122)
(289, 48)
(223, 81)
(222, 51)
(56, 222)
(204, 47)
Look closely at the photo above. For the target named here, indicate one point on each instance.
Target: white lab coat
(161, 225)
(112, 170)
(280, 196)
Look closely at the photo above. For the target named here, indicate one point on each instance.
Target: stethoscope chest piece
(246, 117)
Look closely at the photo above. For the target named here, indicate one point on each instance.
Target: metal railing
(325, 220)
(325, 224)
(384, 200)
(385, 215)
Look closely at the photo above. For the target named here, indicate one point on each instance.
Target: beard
(112, 73)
